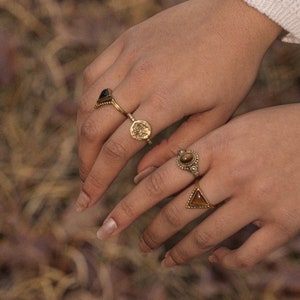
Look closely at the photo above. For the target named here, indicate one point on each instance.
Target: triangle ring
(198, 199)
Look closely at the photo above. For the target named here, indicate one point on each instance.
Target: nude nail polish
(168, 262)
(213, 259)
(107, 229)
(82, 202)
(143, 174)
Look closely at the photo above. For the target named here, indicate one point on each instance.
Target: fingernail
(168, 262)
(140, 176)
(213, 259)
(144, 247)
(82, 202)
(107, 229)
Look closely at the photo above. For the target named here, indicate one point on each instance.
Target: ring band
(140, 129)
(106, 98)
(187, 160)
(198, 199)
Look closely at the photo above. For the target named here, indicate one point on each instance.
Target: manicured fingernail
(139, 177)
(107, 229)
(144, 247)
(213, 259)
(82, 202)
(168, 262)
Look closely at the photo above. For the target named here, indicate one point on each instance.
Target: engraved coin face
(140, 130)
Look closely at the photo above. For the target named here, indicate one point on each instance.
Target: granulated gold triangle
(198, 200)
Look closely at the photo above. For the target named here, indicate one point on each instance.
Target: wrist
(253, 28)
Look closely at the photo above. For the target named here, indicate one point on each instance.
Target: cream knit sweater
(286, 13)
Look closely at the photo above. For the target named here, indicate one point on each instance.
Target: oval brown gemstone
(186, 158)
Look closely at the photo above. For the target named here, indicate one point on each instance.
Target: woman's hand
(253, 163)
(197, 59)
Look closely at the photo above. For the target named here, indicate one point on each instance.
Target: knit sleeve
(286, 13)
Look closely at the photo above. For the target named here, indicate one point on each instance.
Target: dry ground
(47, 250)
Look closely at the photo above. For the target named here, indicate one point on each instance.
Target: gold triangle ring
(198, 199)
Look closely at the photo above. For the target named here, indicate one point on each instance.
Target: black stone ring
(139, 130)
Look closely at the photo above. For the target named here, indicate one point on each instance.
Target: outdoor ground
(47, 250)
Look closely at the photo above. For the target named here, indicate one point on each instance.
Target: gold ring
(106, 98)
(187, 160)
(139, 130)
(197, 198)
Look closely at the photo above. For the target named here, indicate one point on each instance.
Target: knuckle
(286, 223)
(94, 184)
(243, 262)
(203, 240)
(88, 76)
(172, 215)
(160, 100)
(141, 68)
(89, 130)
(155, 184)
(151, 238)
(83, 169)
(127, 208)
(114, 150)
(180, 255)
(84, 105)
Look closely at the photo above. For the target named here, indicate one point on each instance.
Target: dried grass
(47, 250)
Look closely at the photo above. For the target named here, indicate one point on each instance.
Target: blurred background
(47, 250)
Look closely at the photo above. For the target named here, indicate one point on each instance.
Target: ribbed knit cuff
(286, 13)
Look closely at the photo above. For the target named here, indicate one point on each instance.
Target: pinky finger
(256, 248)
(101, 64)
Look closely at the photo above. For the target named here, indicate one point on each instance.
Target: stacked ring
(139, 130)
(187, 160)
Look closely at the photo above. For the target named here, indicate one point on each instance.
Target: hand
(196, 59)
(253, 163)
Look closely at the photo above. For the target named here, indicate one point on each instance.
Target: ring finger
(175, 216)
(165, 181)
(210, 232)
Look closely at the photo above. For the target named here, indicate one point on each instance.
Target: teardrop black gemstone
(105, 93)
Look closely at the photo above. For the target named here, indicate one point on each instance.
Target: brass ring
(106, 98)
(187, 160)
(197, 198)
(139, 130)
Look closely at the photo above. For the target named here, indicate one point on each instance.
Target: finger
(259, 245)
(165, 181)
(110, 79)
(101, 64)
(94, 132)
(116, 151)
(221, 224)
(100, 125)
(120, 146)
(186, 134)
(174, 216)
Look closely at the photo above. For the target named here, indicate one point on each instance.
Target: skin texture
(253, 163)
(196, 60)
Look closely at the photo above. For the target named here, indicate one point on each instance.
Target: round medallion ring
(141, 130)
